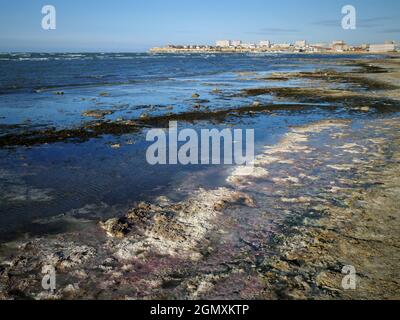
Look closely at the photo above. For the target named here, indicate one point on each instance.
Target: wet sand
(324, 197)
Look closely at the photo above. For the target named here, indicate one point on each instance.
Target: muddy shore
(324, 197)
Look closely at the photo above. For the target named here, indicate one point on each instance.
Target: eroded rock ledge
(171, 229)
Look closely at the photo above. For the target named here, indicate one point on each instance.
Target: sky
(137, 25)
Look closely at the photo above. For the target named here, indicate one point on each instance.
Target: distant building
(249, 45)
(223, 43)
(320, 45)
(339, 46)
(282, 45)
(378, 48)
(264, 44)
(337, 42)
(300, 44)
(236, 43)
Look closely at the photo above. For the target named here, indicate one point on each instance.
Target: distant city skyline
(139, 25)
(300, 46)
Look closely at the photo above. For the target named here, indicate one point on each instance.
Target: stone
(144, 115)
(116, 227)
(97, 113)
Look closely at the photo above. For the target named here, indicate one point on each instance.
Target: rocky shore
(324, 197)
(366, 90)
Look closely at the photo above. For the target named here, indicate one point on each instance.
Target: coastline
(297, 232)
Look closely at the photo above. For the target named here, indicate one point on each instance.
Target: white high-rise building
(249, 45)
(223, 43)
(339, 46)
(300, 44)
(264, 43)
(236, 43)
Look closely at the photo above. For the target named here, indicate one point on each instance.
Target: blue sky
(137, 25)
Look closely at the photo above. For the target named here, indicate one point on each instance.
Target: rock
(365, 109)
(116, 146)
(142, 213)
(144, 115)
(130, 123)
(362, 109)
(329, 281)
(239, 198)
(104, 94)
(256, 103)
(174, 229)
(97, 113)
(82, 274)
(69, 256)
(110, 261)
(163, 200)
(195, 96)
(59, 93)
(70, 289)
(116, 227)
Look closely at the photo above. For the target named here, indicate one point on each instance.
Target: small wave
(34, 59)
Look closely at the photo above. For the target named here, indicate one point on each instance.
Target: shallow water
(92, 180)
